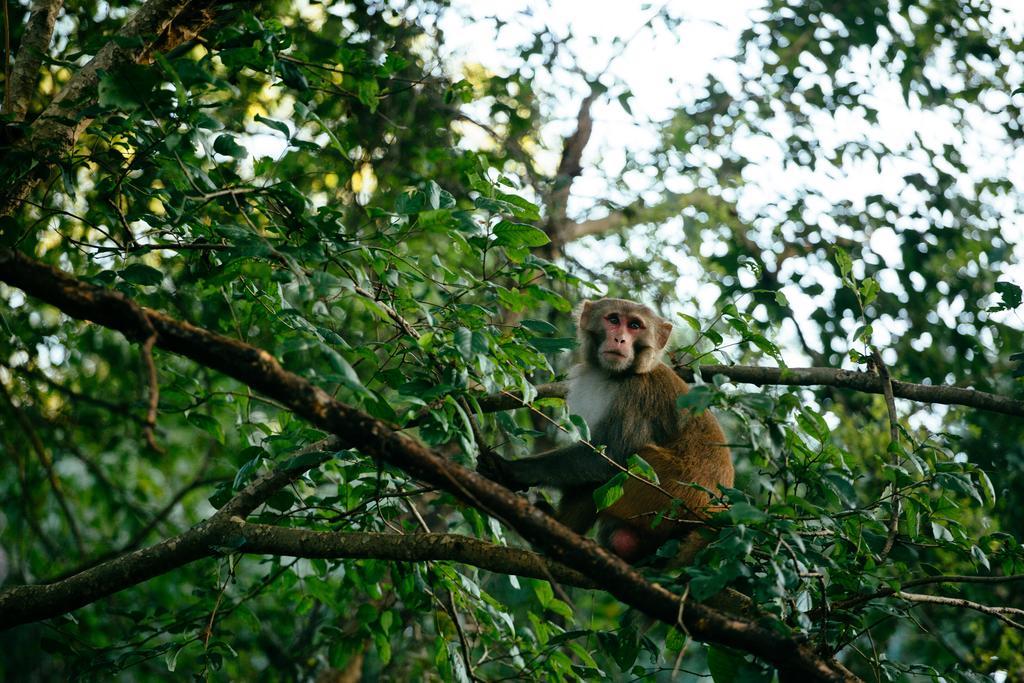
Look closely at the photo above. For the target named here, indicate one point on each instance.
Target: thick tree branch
(569, 168)
(23, 604)
(34, 44)
(356, 429)
(271, 540)
(865, 382)
(615, 220)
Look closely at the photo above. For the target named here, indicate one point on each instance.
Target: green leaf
(171, 658)
(228, 146)
(464, 342)
(168, 68)
(368, 92)
(692, 322)
(768, 347)
(128, 88)
(730, 666)
(979, 556)
(762, 404)
(539, 326)
(553, 344)
(410, 202)
(279, 126)
(282, 500)
(207, 424)
(640, 467)
(519, 235)
(987, 489)
(843, 261)
(941, 533)
(607, 494)
(675, 640)
(393, 63)
(306, 461)
(869, 290)
(438, 198)
(344, 369)
(745, 513)
(139, 274)
(522, 209)
(1010, 297)
(290, 72)
(545, 594)
(623, 646)
(697, 400)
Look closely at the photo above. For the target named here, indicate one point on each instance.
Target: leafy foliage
(303, 179)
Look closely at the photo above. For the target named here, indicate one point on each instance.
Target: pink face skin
(620, 333)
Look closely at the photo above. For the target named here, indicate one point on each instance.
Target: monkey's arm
(569, 466)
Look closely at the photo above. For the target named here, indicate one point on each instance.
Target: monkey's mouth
(618, 354)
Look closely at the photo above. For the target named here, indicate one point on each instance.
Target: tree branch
(569, 168)
(923, 581)
(271, 540)
(356, 429)
(34, 44)
(865, 382)
(23, 604)
(1001, 613)
(894, 435)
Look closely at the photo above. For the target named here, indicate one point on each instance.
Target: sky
(664, 69)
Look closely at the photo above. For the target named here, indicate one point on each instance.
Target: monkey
(627, 396)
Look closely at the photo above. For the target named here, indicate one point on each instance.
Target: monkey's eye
(613, 319)
(634, 325)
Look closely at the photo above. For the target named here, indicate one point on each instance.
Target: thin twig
(894, 436)
(924, 581)
(154, 392)
(997, 612)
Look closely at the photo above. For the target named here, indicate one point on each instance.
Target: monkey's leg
(576, 510)
(689, 545)
(569, 467)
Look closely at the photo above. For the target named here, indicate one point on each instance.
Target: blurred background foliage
(408, 230)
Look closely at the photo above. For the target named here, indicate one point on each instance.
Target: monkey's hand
(498, 470)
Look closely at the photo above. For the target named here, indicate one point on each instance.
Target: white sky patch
(665, 69)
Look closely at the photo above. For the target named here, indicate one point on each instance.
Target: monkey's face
(621, 336)
(618, 351)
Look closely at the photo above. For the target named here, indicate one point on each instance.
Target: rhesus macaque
(628, 398)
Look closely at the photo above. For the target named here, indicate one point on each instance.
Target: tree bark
(34, 44)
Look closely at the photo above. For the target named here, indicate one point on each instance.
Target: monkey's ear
(664, 332)
(583, 314)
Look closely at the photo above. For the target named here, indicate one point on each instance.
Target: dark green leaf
(519, 235)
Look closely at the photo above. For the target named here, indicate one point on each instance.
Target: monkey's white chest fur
(590, 395)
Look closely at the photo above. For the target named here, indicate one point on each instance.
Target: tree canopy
(274, 274)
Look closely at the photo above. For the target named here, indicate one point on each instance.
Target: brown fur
(642, 418)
